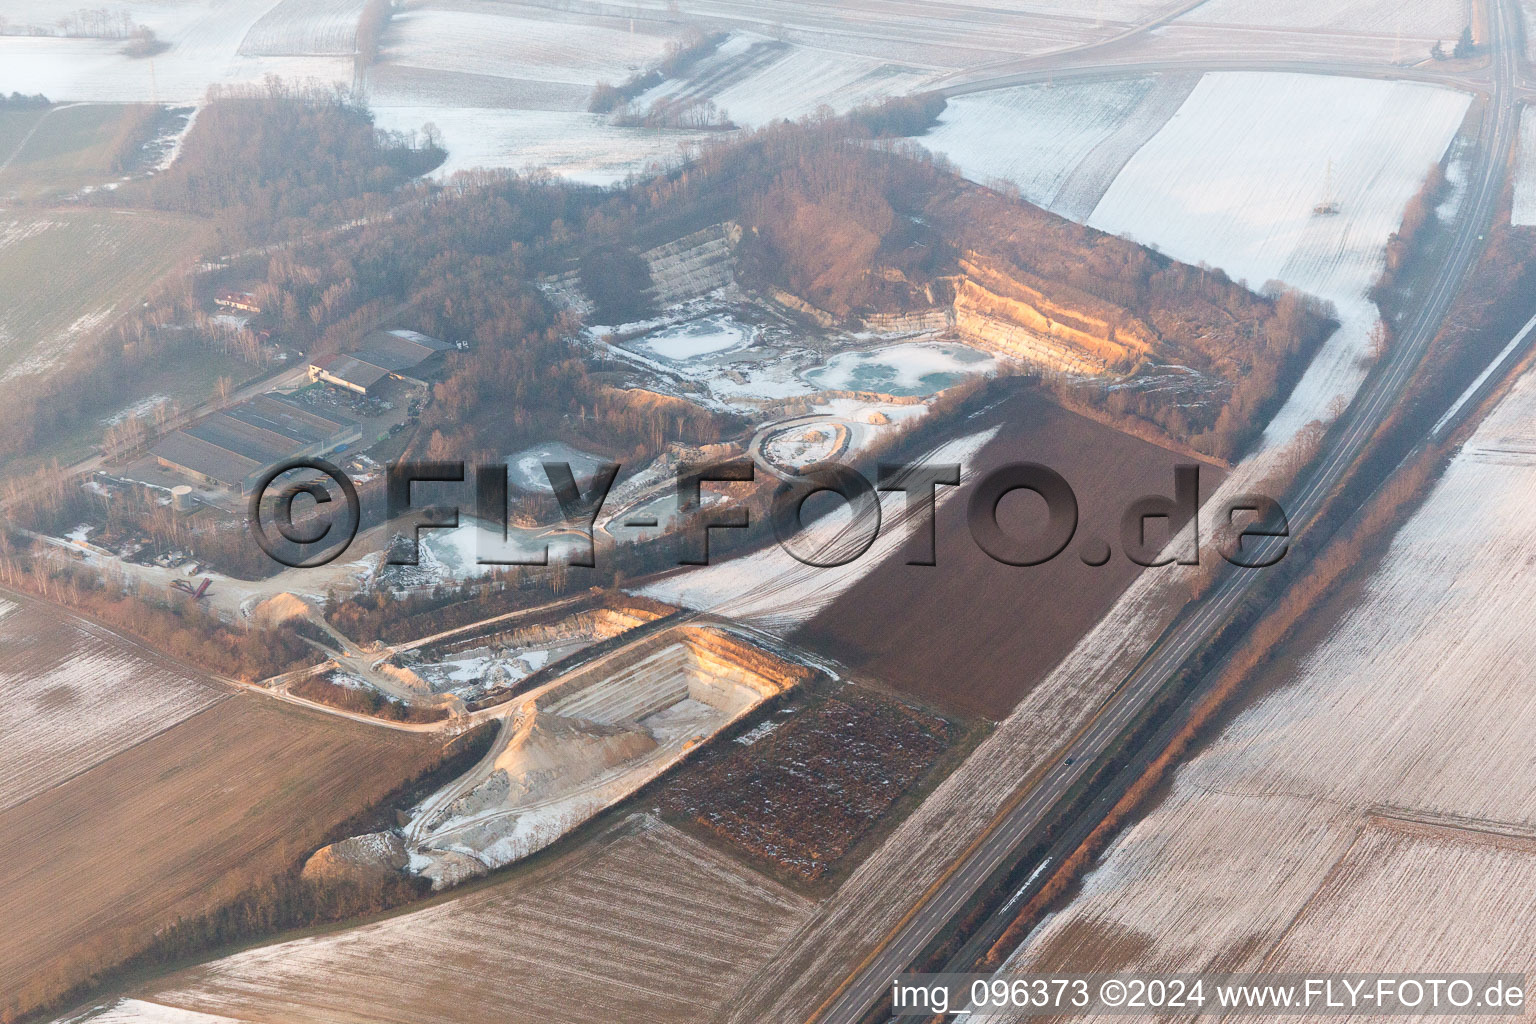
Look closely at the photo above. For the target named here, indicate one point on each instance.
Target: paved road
(1195, 630)
(1469, 79)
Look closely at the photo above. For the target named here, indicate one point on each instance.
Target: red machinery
(186, 587)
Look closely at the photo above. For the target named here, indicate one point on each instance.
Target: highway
(1201, 65)
(1194, 630)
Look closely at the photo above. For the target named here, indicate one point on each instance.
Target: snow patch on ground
(505, 45)
(754, 80)
(76, 694)
(770, 588)
(138, 1011)
(305, 27)
(526, 469)
(140, 408)
(452, 554)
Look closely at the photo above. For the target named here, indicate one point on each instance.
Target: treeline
(363, 701)
(134, 130)
(18, 101)
(84, 23)
(266, 160)
(1222, 424)
(1418, 216)
(504, 396)
(184, 629)
(371, 24)
(462, 261)
(1490, 310)
(681, 56)
(394, 617)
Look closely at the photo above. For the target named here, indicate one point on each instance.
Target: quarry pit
(572, 748)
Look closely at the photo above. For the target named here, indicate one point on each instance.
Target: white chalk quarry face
(580, 746)
(1230, 176)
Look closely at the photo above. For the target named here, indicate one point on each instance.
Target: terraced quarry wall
(1001, 312)
(693, 265)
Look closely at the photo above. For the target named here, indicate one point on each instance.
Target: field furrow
(1414, 707)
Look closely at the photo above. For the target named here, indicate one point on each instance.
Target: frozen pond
(696, 339)
(526, 468)
(452, 553)
(481, 668)
(653, 517)
(921, 368)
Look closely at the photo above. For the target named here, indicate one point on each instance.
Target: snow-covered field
(300, 27)
(138, 1011)
(205, 48)
(63, 274)
(503, 44)
(754, 80)
(512, 92)
(651, 926)
(1421, 19)
(75, 694)
(1231, 180)
(1523, 210)
(580, 146)
(508, 85)
(942, 33)
(1415, 705)
(1059, 145)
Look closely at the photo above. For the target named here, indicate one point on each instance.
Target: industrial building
(245, 302)
(232, 448)
(384, 355)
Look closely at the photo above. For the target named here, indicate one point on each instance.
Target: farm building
(232, 448)
(398, 355)
(243, 301)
